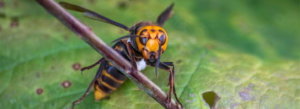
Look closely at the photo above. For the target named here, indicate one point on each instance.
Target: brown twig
(93, 40)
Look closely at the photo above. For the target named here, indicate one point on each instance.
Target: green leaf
(245, 52)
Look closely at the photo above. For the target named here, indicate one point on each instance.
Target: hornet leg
(91, 66)
(132, 56)
(165, 66)
(91, 84)
(174, 90)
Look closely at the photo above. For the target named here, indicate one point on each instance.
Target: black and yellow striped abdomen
(110, 78)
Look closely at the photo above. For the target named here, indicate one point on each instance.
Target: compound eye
(143, 40)
(162, 39)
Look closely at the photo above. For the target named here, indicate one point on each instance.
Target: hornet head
(152, 42)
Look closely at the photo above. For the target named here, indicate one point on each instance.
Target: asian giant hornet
(144, 45)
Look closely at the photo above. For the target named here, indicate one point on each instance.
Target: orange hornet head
(152, 42)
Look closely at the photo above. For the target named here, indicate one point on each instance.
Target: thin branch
(93, 40)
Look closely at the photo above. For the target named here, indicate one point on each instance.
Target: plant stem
(111, 55)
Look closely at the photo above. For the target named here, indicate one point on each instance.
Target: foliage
(247, 52)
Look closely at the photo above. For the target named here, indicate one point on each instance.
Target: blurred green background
(246, 51)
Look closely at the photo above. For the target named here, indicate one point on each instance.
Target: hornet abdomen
(110, 78)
